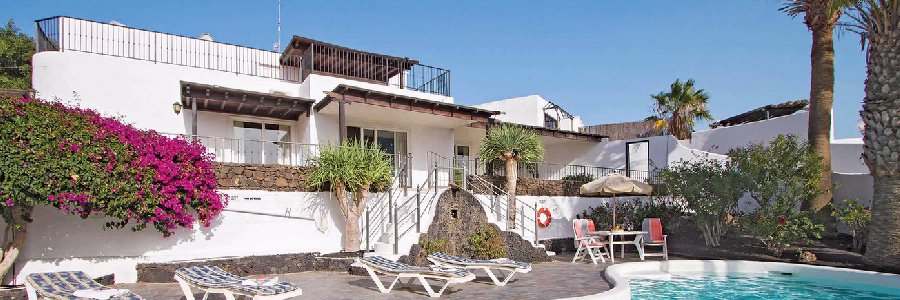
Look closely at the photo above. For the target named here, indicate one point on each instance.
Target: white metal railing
(252, 151)
(73, 34)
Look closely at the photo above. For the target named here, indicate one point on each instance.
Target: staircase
(394, 220)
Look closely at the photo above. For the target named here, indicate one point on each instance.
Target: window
(262, 143)
(550, 122)
(392, 142)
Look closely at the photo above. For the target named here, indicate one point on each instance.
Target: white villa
(254, 107)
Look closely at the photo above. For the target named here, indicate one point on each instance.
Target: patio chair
(70, 285)
(214, 280)
(654, 237)
(588, 245)
(377, 264)
(500, 264)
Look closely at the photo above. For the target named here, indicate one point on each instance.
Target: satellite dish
(861, 126)
(206, 37)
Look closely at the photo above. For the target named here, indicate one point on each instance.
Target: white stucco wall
(277, 223)
(141, 91)
(722, 139)
(529, 110)
(315, 86)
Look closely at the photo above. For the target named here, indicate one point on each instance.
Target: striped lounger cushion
(61, 285)
(215, 277)
(503, 262)
(392, 267)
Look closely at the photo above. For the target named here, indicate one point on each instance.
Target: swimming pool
(773, 285)
(737, 279)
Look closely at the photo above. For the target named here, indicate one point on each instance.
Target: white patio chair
(588, 245)
(654, 237)
(500, 264)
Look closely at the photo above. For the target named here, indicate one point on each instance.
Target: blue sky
(597, 59)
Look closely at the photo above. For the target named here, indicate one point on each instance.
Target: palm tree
(677, 109)
(820, 17)
(878, 22)
(511, 144)
(355, 169)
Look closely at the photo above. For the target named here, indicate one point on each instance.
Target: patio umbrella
(615, 184)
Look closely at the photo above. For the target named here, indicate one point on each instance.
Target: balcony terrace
(301, 57)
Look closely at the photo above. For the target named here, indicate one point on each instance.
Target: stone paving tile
(557, 279)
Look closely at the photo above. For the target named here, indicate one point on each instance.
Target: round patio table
(638, 235)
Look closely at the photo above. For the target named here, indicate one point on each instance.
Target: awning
(228, 100)
(389, 104)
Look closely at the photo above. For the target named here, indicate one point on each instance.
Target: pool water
(754, 286)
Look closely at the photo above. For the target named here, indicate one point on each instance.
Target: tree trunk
(881, 115)
(821, 96)
(12, 249)
(883, 246)
(351, 230)
(512, 175)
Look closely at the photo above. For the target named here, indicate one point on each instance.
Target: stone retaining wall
(250, 265)
(278, 178)
(533, 187)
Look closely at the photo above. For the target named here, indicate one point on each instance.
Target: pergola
(216, 98)
(344, 95)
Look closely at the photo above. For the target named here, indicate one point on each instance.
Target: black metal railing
(73, 34)
(357, 65)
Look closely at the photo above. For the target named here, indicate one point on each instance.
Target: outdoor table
(638, 235)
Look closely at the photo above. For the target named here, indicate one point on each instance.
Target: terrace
(302, 57)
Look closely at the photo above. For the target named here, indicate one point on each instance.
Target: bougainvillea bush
(84, 163)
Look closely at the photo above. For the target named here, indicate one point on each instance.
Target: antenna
(278, 43)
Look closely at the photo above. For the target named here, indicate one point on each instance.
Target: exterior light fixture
(176, 107)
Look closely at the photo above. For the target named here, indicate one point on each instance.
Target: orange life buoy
(543, 222)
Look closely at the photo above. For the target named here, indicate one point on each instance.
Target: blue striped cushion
(61, 285)
(444, 257)
(390, 266)
(279, 288)
(215, 277)
(208, 276)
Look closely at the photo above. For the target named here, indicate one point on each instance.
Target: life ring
(543, 222)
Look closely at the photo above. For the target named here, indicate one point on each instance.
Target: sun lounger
(65, 285)
(500, 264)
(211, 279)
(377, 264)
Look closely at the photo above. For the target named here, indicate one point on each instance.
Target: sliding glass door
(262, 143)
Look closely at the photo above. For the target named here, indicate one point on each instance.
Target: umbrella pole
(614, 211)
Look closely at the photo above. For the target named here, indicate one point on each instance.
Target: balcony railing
(72, 34)
(358, 65)
(580, 173)
(252, 151)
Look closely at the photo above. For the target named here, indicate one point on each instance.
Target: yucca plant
(511, 144)
(350, 171)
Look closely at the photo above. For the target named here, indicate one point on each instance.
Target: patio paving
(557, 279)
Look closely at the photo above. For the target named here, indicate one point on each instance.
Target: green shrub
(579, 177)
(668, 211)
(778, 176)
(711, 189)
(857, 218)
(435, 246)
(486, 243)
